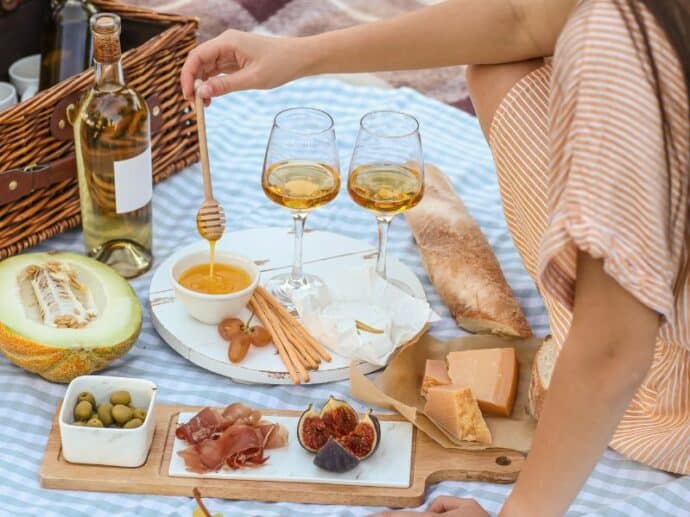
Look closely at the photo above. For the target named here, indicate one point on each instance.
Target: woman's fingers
(237, 60)
(226, 83)
(445, 503)
(201, 62)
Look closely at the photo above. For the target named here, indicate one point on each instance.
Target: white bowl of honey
(211, 292)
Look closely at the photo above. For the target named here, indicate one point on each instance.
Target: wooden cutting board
(430, 464)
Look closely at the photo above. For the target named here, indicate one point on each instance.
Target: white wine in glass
(387, 172)
(386, 188)
(301, 172)
(301, 185)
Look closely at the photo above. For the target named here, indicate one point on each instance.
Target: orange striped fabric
(579, 152)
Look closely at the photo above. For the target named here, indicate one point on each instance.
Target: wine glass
(387, 172)
(301, 172)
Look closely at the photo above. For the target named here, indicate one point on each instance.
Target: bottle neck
(109, 74)
(107, 53)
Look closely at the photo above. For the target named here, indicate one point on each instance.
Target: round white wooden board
(325, 254)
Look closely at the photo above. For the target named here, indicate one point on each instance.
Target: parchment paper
(398, 389)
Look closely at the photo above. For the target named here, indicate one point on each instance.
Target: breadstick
(275, 323)
(283, 312)
(309, 358)
(263, 316)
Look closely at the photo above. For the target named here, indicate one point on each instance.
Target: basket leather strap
(22, 181)
(17, 183)
(61, 126)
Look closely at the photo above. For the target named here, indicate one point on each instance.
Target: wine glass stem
(298, 220)
(384, 223)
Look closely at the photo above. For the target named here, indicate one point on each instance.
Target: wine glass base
(284, 287)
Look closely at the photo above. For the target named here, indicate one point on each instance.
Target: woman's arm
(605, 358)
(455, 32)
(450, 33)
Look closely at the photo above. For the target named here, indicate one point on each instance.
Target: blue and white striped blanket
(238, 127)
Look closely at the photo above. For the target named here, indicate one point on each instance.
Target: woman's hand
(238, 60)
(446, 506)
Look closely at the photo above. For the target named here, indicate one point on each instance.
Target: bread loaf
(540, 378)
(460, 263)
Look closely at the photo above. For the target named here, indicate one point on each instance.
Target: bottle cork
(105, 28)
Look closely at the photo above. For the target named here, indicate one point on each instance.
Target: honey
(225, 279)
(212, 257)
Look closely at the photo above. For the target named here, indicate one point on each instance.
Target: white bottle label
(133, 182)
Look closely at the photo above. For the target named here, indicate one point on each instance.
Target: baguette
(540, 378)
(460, 263)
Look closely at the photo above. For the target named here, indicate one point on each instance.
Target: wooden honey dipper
(210, 219)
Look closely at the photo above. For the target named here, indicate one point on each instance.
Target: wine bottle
(65, 40)
(113, 150)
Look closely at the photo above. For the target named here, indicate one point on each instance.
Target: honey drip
(212, 257)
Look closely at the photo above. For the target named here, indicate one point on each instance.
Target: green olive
(134, 422)
(85, 395)
(122, 414)
(105, 413)
(83, 410)
(94, 422)
(79, 423)
(139, 413)
(120, 397)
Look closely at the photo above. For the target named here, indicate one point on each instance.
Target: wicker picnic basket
(39, 195)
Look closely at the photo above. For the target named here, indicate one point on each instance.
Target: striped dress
(579, 152)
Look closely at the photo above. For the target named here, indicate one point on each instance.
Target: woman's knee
(488, 84)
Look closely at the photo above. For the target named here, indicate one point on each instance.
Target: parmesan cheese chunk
(435, 374)
(491, 374)
(456, 410)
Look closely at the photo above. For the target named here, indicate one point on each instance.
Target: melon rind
(60, 355)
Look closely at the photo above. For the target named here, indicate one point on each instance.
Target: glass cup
(8, 95)
(387, 172)
(301, 172)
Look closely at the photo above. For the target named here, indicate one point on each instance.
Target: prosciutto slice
(239, 413)
(235, 437)
(209, 421)
(202, 426)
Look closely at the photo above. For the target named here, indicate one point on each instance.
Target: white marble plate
(325, 254)
(389, 466)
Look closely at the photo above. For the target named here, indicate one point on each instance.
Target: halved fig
(338, 427)
(335, 458)
(339, 417)
(363, 440)
(311, 430)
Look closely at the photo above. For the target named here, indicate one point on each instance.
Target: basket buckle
(34, 167)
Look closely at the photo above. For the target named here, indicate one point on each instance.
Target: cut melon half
(63, 315)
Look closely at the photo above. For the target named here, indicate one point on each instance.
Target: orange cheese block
(456, 410)
(491, 374)
(435, 374)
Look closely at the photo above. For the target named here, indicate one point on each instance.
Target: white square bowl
(103, 445)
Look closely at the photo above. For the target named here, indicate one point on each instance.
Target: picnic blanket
(238, 127)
